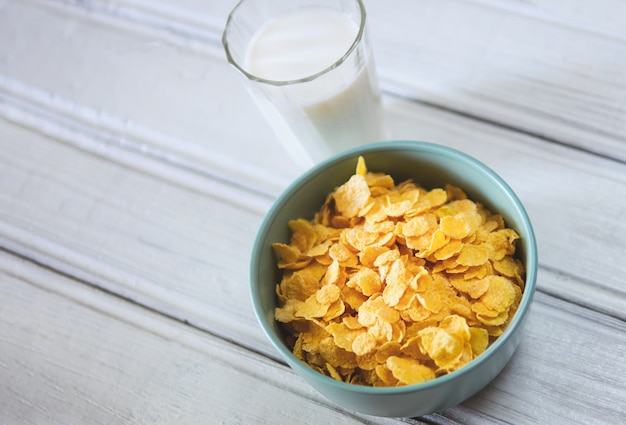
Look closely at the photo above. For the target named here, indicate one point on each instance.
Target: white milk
(334, 111)
(300, 44)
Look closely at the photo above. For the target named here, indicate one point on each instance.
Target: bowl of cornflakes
(396, 277)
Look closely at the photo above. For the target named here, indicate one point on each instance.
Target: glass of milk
(308, 65)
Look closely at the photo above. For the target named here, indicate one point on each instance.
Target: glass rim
(309, 78)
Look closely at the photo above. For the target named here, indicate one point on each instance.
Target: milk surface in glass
(331, 112)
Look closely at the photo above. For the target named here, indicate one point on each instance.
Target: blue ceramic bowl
(430, 166)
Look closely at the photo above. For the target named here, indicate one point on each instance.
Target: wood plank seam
(47, 267)
(172, 26)
(130, 287)
(233, 355)
(189, 33)
(396, 92)
(29, 110)
(108, 136)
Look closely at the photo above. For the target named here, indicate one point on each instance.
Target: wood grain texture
(72, 354)
(134, 173)
(161, 265)
(124, 363)
(523, 65)
(99, 81)
(169, 221)
(538, 67)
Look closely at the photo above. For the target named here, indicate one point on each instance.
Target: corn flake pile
(393, 284)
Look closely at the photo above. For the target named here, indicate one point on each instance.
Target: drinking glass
(316, 108)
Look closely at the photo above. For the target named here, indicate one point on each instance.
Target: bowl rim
(398, 145)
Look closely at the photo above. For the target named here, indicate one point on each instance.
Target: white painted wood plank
(536, 67)
(121, 194)
(600, 16)
(142, 88)
(44, 216)
(119, 362)
(167, 251)
(72, 354)
(516, 66)
(122, 230)
(194, 19)
(526, 66)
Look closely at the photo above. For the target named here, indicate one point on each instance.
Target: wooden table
(135, 171)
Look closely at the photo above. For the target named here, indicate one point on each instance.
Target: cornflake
(394, 284)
